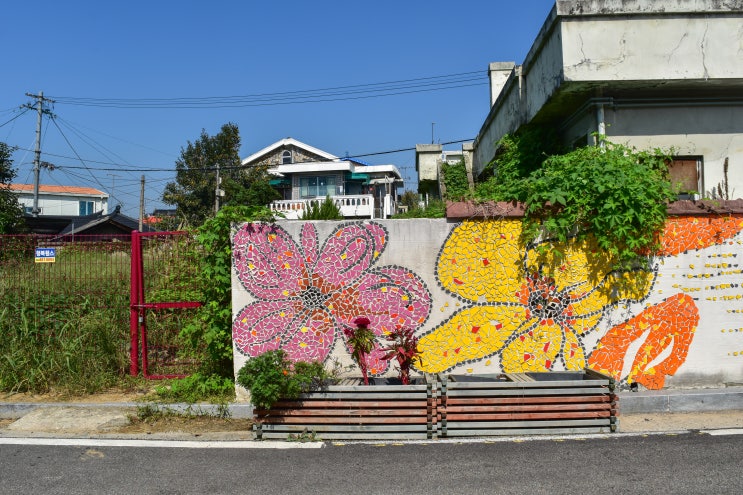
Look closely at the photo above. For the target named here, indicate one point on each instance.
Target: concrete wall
(622, 48)
(481, 301)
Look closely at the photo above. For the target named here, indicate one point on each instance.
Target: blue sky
(164, 51)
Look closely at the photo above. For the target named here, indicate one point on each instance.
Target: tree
(411, 199)
(194, 190)
(11, 213)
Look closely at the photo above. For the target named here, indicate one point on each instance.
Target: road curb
(649, 401)
(681, 401)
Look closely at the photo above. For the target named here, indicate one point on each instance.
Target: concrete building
(645, 73)
(303, 173)
(428, 161)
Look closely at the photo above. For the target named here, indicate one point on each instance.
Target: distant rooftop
(71, 190)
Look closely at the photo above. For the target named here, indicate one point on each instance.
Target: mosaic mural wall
(483, 302)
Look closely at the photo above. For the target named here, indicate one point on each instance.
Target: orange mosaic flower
(668, 329)
(686, 233)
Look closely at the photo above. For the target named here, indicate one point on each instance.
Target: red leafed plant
(403, 347)
(361, 342)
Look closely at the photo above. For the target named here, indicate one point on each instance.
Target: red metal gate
(163, 298)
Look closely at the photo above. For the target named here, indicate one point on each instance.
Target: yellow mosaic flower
(530, 304)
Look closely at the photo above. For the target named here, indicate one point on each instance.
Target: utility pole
(141, 203)
(37, 153)
(113, 186)
(217, 192)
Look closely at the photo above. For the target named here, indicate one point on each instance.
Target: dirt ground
(98, 398)
(185, 424)
(139, 423)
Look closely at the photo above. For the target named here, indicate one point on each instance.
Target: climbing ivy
(455, 180)
(517, 156)
(614, 193)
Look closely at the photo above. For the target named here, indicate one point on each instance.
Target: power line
(338, 93)
(25, 109)
(54, 120)
(208, 169)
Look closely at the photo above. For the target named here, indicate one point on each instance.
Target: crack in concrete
(678, 45)
(704, 58)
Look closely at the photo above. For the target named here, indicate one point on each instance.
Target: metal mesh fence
(54, 288)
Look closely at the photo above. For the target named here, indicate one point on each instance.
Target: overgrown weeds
(75, 350)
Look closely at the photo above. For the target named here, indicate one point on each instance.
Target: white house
(303, 173)
(62, 200)
(645, 73)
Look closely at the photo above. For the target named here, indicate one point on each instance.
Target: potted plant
(403, 348)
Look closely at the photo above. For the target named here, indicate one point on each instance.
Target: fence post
(135, 301)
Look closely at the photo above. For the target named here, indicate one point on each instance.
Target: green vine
(455, 180)
(613, 193)
(213, 327)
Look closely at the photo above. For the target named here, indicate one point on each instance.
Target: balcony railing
(351, 206)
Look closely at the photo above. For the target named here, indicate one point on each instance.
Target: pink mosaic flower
(306, 295)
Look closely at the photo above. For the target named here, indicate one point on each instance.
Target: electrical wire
(211, 169)
(338, 93)
(25, 109)
(54, 120)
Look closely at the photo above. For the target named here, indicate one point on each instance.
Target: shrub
(272, 376)
(435, 208)
(325, 210)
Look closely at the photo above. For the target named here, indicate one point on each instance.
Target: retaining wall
(482, 302)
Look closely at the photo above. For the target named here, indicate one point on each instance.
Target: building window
(311, 187)
(286, 157)
(86, 208)
(685, 174)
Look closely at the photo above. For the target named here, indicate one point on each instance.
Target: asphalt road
(687, 463)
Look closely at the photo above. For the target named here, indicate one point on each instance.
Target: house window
(685, 174)
(286, 157)
(311, 187)
(86, 208)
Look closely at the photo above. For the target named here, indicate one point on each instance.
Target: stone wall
(483, 302)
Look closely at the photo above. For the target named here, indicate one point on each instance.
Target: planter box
(353, 411)
(527, 403)
(564, 402)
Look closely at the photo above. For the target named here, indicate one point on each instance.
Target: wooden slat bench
(350, 412)
(518, 404)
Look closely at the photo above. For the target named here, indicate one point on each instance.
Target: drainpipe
(601, 125)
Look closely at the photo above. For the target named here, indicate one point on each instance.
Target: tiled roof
(89, 191)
